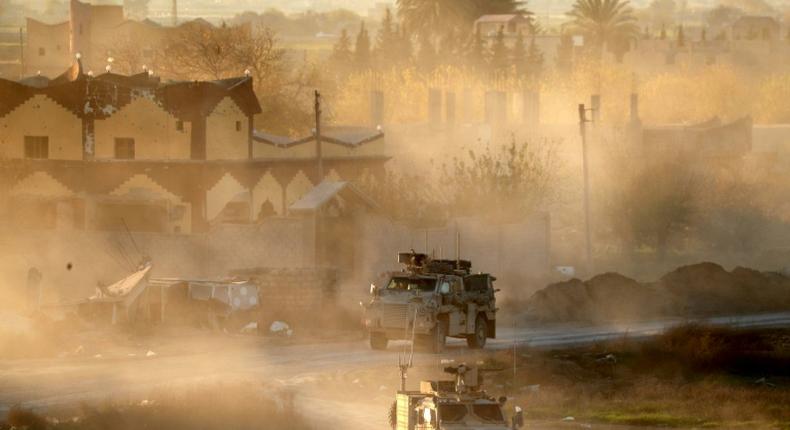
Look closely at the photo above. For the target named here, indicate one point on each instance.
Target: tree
(534, 60)
(426, 56)
(387, 33)
(506, 182)
(476, 56)
(663, 35)
(681, 37)
(405, 46)
(499, 54)
(129, 56)
(342, 56)
(387, 41)
(362, 49)
(449, 47)
(656, 203)
(519, 55)
(565, 53)
(201, 51)
(605, 23)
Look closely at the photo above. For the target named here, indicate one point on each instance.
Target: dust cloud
(268, 166)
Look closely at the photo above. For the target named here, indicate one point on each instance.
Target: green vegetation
(607, 23)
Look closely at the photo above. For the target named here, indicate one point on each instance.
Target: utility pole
(585, 162)
(318, 153)
(21, 53)
(175, 13)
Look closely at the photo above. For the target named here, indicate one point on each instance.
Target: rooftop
(99, 96)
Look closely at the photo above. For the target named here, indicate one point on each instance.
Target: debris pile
(702, 289)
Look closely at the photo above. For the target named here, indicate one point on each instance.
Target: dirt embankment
(703, 289)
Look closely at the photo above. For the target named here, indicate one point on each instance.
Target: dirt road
(123, 375)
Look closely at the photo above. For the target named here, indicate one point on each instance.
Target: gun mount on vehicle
(430, 300)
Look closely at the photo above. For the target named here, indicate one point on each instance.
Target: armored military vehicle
(449, 405)
(430, 300)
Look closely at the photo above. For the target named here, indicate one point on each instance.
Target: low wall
(73, 262)
(293, 293)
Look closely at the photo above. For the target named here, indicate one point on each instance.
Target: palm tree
(604, 22)
(436, 17)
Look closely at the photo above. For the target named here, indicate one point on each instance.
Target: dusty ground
(335, 381)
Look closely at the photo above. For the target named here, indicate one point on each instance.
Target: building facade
(114, 152)
(95, 33)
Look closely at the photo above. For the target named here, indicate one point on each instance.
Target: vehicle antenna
(457, 247)
(404, 363)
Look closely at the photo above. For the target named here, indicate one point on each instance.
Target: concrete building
(111, 152)
(756, 28)
(511, 24)
(94, 33)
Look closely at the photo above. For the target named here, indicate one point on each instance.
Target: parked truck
(430, 300)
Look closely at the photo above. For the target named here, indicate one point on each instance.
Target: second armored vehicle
(430, 300)
(449, 405)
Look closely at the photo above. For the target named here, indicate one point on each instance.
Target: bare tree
(202, 51)
(129, 57)
(655, 203)
(507, 182)
(500, 183)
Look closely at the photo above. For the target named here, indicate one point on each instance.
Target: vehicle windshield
(452, 413)
(411, 284)
(488, 412)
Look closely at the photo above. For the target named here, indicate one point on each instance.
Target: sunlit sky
(231, 7)
(547, 11)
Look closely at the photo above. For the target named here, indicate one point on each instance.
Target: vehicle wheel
(378, 341)
(477, 340)
(438, 338)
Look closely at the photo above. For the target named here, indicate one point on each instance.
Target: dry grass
(686, 94)
(692, 376)
(216, 407)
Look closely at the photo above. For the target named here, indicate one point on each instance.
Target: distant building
(111, 151)
(511, 24)
(711, 139)
(93, 32)
(379, 10)
(756, 28)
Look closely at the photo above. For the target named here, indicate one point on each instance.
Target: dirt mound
(696, 290)
(606, 297)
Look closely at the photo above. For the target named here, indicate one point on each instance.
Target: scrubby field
(690, 377)
(213, 407)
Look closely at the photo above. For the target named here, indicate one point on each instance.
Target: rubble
(702, 289)
(280, 328)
